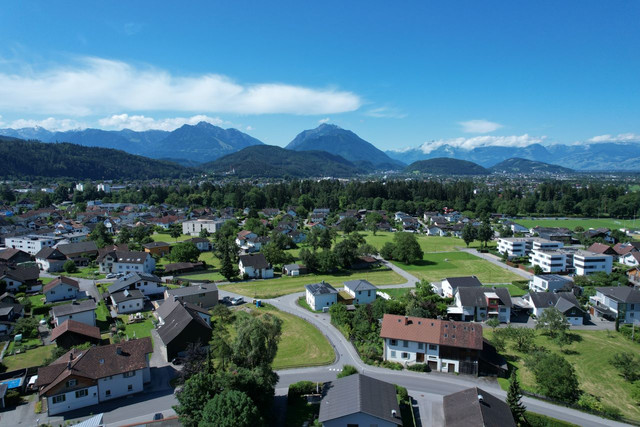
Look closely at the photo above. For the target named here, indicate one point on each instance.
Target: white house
(148, 284)
(549, 261)
(84, 312)
(588, 262)
(622, 302)
(128, 301)
(50, 259)
(435, 231)
(117, 261)
(194, 227)
(362, 291)
(201, 243)
(631, 259)
(17, 276)
(565, 302)
(255, 266)
(321, 295)
(60, 289)
(481, 304)
(87, 377)
(445, 345)
(450, 284)
(550, 283)
(31, 244)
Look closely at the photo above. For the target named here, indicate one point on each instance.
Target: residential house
(31, 244)
(176, 268)
(72, 333)
(359, 400)
(550, 283)
(118, 261)
(201, 243)
(621, 302)
(321, 295)
(622, 249)
(434, 230)
(181, 324)
(243, 236)
(475, 407)
(516, 228)
(60, 289)
(148, 284)
(450, 284)
(316, 226)
(165, 222)
(10, 311)
(565, 302)
(600, 233)
(194, 227)
(294, 269)
(14, 256)
(255, 266)
(201, 294)
(157, 248)
(481, 303)
(50, 260)
(601, 248)
(634, 276)
(88, 377)
(81, 253)
(514, 246)
(362, 291)
(22, 275)
(631, 259)
(127, 301)
(445, 345)
(269, 212)
(588, 262)
(84, 311)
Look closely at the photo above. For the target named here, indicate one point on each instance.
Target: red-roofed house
(445, 345)
(601, 248)
(72, 333)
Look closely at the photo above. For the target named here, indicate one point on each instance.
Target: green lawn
(585, 223)
(36, 300)
(589, 356)
(102, 316)
(302, 302)
(139, 330)
(34, 357)
(85, 273)
(514, 291)
(301, 344)
(211, 273)
(427, 243)
(271, 288)
(165, 237)
(438, 266)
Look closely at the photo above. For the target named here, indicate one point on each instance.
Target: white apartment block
(589, 262)
(194, 227)
(549, 283)
(522, 246)
(549, 261)
(31, 244)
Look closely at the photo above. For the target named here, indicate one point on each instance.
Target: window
(59, 398)
(405, 343)
(107, 393)
(393, 353)
(130, 387)
(433, 347)
(72, 383)
(52, 292)
(405, 355)
(82, 393)
(394, 342)
(129, 374)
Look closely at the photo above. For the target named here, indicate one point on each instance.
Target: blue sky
(398, 74)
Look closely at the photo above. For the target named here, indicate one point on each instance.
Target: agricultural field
(595, 374)
(437, 266)
(585, 223)
(272, 288)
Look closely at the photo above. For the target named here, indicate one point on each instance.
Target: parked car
(237, 301)
(158, 416)
(225, 300)
(111, 276)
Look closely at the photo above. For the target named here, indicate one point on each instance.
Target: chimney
(406, 320)
(480, 398)
(119, 350)
(394, 413)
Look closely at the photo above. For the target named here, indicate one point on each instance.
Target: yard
(33, 357)
(396, 293)
(301, 343)
(514, 291)
(437, 266)
(165, 237)
(585, 223)
(589, 354)
(427, 243)
(85, 273)
(140, 329)
(272, 288)
(212, 272)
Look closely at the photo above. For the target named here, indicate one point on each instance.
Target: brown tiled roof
(432, 331)
(96, 362)
(76, 327)
(622, 249)
(7, 254)
(61, 279)
(600, 248)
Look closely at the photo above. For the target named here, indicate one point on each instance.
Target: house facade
(31, 244)
(128, 301)
(362, 291)
(83, 378)
(549, 261)
(565, 302)
(622, 302)
(446, 346)
(126, 262)
(84, 312)
(181, 324)
(50, 260)
(588, 263)
(148, 284)
(194, 227)
(481, 304)
(450, 284)
(202, 294)
(61, 289)
(320, 295)
(255, 266)
(549, 283)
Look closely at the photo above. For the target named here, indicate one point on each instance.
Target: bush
(347, 370)
(69, 266)
(43, 309)
(537, 420)
(392, 365)
(522, 284)
(402, 393)
(27, 326)
(12, 398)
(419, 367)
(301, 388)
(593, 404)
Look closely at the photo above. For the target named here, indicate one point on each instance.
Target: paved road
(497, 261)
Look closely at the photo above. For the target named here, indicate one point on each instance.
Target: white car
(237, 301)
(111, 276)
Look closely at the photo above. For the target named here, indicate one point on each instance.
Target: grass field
(590, 355)
(165, 237)
(85, 273)
(272, 288)
(301, 344)
(437, 266)
(514, 291)
(585, 223)
(34, 357)
(427, 243)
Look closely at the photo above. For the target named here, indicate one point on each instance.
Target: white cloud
(248, 128)
(49, 123)
(142, 123)
(482, 141)
(325, 120)
(621, 137)
(98, 86)
(385, 113)
(479, 126)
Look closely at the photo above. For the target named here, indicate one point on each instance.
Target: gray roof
(463, 282)
(359, 285)
(624, 294)
(475, 297)
(359, 394)
(193, 290)
(126, 295)
(563, 301)
(464, 409)
(177, 317)
(50, 253)
(131, 278)
(555, 278)
(155, 245)
(290, 267)
(88, 246)
(257, 261)
(321, 288)
(74, 307)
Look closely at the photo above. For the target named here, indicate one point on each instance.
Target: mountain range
(523, 166)
(446, 166)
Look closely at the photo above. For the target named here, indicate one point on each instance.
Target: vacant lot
(437, 266)
(427, 243)
(589, 354)
(272, 288)
(585, 223)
